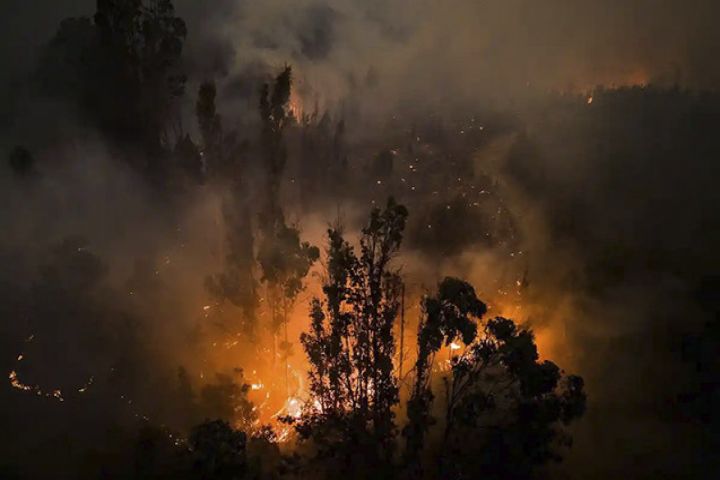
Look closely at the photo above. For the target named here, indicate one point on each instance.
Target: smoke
(590, 222)
(476, 46)
(433, 54)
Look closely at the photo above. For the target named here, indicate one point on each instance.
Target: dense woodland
(475, 400)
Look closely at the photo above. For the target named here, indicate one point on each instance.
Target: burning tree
(285, 260)
(351, 346)
(503, 411)
(450, 314)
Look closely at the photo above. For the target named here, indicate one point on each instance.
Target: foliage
(505, 411)
(351, 345)
(504, 408)
(227, 399)
(274, 117)
(218, 451)
(450, 314)
(237, 283)
(124, 67)
(285, 260)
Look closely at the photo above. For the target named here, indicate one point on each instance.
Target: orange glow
(295, 105)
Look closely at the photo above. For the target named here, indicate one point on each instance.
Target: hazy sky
(474, 48)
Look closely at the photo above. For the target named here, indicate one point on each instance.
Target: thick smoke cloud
(457, 52)
(610, 224)
(429, 53)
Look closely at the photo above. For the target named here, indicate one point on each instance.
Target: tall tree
(449, 315)
(351, 346)
(124, 68)
(504, 411)
(210, 125)
(275, 116)
(141, 45)
(285, 261)
(237, 283)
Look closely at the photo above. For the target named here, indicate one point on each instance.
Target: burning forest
(303, 240)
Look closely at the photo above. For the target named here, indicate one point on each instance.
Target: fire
(293, 407)
(295, 105)
(55, 393)
(84, 388)
(15, 383)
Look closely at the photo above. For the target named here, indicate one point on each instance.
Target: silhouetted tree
(505, 409)
(218, 451)
(141, 43)
(274, 117)
(210, 125)
(283, 258)
(237, 283)
(450, 314)
(124, 67)
(285, 261)
(226, 399)
(350, 347)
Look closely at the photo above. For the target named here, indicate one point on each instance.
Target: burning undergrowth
(194, 274)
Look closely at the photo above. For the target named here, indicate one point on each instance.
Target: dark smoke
(475, 115)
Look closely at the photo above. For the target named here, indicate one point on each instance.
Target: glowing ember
(16, 383)
(84, 388)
